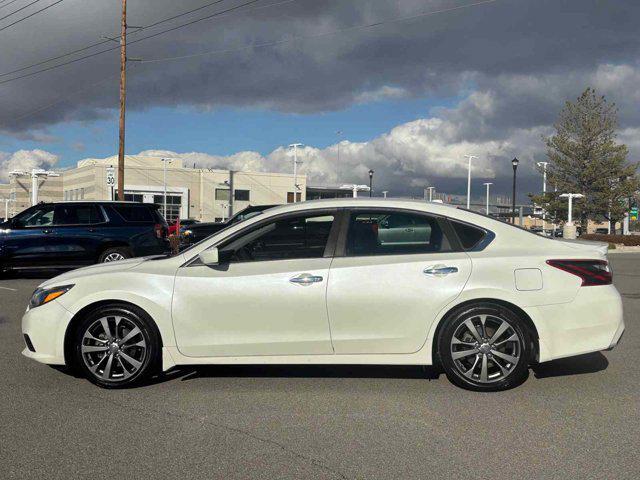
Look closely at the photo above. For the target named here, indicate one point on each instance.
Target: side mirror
(209, 256)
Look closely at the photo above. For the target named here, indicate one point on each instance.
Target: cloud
(496, 48)
(25, 160)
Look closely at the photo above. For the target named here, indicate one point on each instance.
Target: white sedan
(336, 282)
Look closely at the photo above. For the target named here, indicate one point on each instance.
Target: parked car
(71, 234)
(602, 231)
(197, 233)
(317, 283)
(184, 224)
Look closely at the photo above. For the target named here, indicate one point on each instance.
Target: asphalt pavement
(577, 418)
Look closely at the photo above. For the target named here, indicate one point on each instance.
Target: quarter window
(394, 233)
(290, 238)
(469, 236)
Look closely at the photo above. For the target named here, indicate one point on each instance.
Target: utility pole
(123, 97)
(488, 184)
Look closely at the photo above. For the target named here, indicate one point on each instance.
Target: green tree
(584, 157)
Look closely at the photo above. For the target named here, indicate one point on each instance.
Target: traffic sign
(111, 177)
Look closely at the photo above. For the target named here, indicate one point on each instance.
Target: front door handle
(305, 279)
(46, 230)
(439, 270)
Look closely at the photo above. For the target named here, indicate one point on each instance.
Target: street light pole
(487, 185)
(431, 189)
(544, 193)
(469, 181)
(514, 162)
(295, 146)
(569, 230)
(371, 172)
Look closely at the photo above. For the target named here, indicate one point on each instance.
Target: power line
(129, 43)
(102, 42)
(7, 4)
(19, 10)
(323, 34)
(30, 15)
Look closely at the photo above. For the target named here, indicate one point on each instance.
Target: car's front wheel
(485, 347)
(116, 346)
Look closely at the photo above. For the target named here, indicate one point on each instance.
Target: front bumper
(46, 326)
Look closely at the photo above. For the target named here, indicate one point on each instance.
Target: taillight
(592, 272)
(159, 230)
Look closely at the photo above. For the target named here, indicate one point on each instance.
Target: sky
(404, 87)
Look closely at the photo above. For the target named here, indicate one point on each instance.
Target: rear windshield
(137, 213)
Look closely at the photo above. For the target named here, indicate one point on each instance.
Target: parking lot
(573, 418)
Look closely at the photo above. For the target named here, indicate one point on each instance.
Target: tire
(114, 254)
(485, 362)
(117, 358)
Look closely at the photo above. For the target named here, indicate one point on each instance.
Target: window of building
(291, 238)
(222, 194)
(394, 233)
(241, 195)
(290, 197)
(134, 197)
(70, 214)
(174, 202)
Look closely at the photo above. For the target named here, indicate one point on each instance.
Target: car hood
(98, 269)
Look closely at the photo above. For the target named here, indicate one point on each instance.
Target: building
(201, 194)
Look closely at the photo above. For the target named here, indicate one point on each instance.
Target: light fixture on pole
(569, 228)
(355, 189)
(35, 174)
(543, 165)
(371, 172)
(488, 184)
(469, 181)
(431, 189)
(514, 163)
(294, 147)
(6, 208)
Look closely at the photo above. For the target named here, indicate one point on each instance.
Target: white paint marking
(7, 288)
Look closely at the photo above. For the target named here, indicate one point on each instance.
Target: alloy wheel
(114, 257)
(486, 348)
(114, 348)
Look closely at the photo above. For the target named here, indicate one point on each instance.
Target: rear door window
(70, 214)
(394, 233)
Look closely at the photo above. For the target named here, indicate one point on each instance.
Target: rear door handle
(439, 270)
(46, 230)
(306, 279)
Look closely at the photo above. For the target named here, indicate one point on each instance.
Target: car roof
(101, 202)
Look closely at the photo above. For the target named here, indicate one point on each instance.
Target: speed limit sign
(111, 177)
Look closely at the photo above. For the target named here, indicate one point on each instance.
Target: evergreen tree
(584, 158)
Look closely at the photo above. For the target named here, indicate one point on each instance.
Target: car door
(266, 297)
(383, 295)
(76, 233)
(27, 242)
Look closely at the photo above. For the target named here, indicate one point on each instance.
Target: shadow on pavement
(588, 363)
(314, 371)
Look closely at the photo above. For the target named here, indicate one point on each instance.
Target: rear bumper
(592, 322)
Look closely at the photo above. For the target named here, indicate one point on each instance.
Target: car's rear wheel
(485, 347)
(114, 254)
(116, 346)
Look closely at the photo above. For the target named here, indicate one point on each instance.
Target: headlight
(45, 295)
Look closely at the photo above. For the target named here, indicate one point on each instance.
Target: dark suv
(72, 234)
